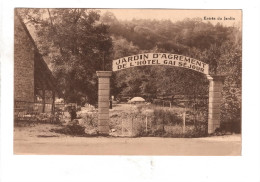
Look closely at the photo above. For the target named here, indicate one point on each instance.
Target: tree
(230, 65)
(77, 45)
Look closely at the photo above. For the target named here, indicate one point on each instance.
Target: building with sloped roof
(32, 77)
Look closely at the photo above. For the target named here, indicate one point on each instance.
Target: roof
(137, 99)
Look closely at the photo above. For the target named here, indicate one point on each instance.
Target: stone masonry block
(103, 122)
(215, 84)
(215, 94)
(104, 73)
(214, 121)
(103, 93)
(215, 100)
(214, 111)
(103, 116)
(215, 89)
(103, 99)
(103, 129)
(103, 110)
(212, 128)
(214, 116)
(104, 86)
(214, 105)
(103, 104)
(104, 80)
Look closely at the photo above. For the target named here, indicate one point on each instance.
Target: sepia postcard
(127, 82)
(129, 91)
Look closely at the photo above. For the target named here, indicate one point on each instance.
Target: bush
(233, 127)
(199, 130)
(165, 116)
(139, 130)
(231, 107)
(158, 132)
(75, 130)
(161, 122)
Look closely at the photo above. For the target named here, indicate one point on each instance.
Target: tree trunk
(43, 100)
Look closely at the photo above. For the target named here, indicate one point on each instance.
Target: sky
(213, 16)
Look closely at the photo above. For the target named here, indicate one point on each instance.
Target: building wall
(23, 64)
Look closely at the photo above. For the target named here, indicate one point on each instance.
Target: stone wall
(23, 64)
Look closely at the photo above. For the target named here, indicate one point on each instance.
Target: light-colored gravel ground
(39, 140)
(225, 138)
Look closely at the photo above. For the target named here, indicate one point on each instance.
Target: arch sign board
(160, 59)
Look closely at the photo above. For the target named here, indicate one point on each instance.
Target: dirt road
(211, 146)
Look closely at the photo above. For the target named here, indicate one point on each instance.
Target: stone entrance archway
(215, 84)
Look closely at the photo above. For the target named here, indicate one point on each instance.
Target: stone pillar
(215, 99)
(103, 101)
